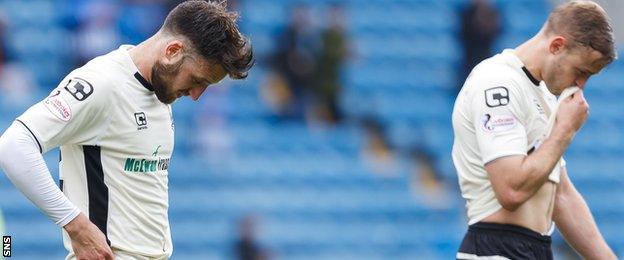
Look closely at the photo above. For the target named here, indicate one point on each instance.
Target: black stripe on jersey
(533, 79)
(143, 81)
(60, 180)
(33, 135)
(98, 192)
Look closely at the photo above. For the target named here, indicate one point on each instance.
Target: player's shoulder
(100, 75)
(84, 83)
(494, 82)
(494, 72)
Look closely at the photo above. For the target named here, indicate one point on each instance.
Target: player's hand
(572, 113)
(88, 242)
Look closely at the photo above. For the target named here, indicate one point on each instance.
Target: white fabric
(466, 256)
(551, 230)
(24, 166)
(499, 112)
(121, 255)
(102, 105)
(556, 173)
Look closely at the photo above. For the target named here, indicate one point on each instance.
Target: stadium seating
(310, 187)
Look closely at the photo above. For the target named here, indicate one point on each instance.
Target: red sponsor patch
(58, 107)
(497, 123)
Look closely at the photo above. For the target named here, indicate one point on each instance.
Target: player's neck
(143, 57)
(530, 55)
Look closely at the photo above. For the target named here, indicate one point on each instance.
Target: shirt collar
(124, 49)
(517, 63)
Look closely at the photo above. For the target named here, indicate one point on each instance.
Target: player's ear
(174, 51)
(557, 44)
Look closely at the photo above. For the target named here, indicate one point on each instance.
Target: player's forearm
(516, 179)
(539, 164)
(24, 166)
(578, 227)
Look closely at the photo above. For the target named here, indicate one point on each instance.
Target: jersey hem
(502, 154)
(484, 215)
(132, 252)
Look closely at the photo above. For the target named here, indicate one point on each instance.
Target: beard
(162, 75)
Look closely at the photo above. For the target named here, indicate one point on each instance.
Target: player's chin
(166, 99)
(170, 100)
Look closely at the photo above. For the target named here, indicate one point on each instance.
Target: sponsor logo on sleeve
(58, 107)
(79, 88)
(497, 123)
(495, 97)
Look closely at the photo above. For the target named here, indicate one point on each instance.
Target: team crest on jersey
(58, 107)
(497, 123)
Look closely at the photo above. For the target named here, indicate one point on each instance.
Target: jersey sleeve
(75, 112)
(497, 113)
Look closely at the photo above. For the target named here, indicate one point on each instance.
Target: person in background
(332, 56)
(480, 27)
(294, 61)
(426, 182)
(378, 155)
(3, 47)
(247, 247)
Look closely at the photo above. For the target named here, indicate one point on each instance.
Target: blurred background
(337, 146)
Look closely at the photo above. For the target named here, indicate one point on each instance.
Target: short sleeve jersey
(116, 140)
(500, 111)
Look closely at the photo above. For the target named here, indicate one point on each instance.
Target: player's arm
(517, 178)
(23, 164)
(576, 224)
(74, 113)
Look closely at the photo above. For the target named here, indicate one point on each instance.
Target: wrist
(561, 135)
(76, 224)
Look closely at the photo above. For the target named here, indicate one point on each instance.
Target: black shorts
(504, 241)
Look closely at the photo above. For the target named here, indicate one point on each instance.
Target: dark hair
(213, 33)
(586, 23)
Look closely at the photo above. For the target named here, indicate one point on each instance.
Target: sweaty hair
(213, 33)
(587, 24)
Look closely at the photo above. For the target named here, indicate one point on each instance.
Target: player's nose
(195, 93)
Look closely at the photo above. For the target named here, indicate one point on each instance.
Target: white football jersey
(500, 111)
(116, 140)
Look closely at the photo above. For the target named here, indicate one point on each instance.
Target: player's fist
(88, 242)
(572, 113)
